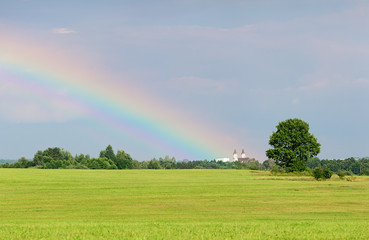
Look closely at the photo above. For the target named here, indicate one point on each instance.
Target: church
(243, 157)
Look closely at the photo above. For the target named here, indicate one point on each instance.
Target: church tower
(243, 154)
(235, 156)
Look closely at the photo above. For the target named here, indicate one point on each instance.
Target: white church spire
(243, 154)
(235, 156)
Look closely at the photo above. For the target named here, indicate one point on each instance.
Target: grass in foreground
(179, 204)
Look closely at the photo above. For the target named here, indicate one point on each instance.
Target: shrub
(322, 173)
(277, 170)
(318, 173)
(349, 173)
(341, 174)
(327, 173)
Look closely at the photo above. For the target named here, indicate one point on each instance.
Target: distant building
(235, 155)
(223, 159)
(243, 157)
(243, 154)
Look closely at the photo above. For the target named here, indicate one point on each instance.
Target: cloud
(63, 31)
(295, 101)
(197, 84)
(330, 81)
(19, 103)
(195, 38)
(313, 83)
(362, 80)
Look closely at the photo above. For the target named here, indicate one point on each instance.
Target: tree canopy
(292, 145)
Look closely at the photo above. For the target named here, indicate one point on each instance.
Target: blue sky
(240, 67)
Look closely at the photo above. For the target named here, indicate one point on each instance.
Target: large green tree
(53, 158)
(124, 160)
(292, 145)
(108, 153)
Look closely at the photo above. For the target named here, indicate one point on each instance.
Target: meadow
(179, 204)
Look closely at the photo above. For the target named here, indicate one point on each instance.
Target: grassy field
(179, 204)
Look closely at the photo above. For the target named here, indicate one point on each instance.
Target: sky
(189, 78)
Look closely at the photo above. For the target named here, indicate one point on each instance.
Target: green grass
(179, 204)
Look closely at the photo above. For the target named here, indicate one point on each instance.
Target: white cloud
(329, 82)
(315, 85)
(198, 38)
(362, 81)
(197, 84)
(63, 31)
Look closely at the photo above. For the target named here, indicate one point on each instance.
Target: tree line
(58, 158)
(349, 166)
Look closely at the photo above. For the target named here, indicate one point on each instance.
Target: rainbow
(116, 104)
